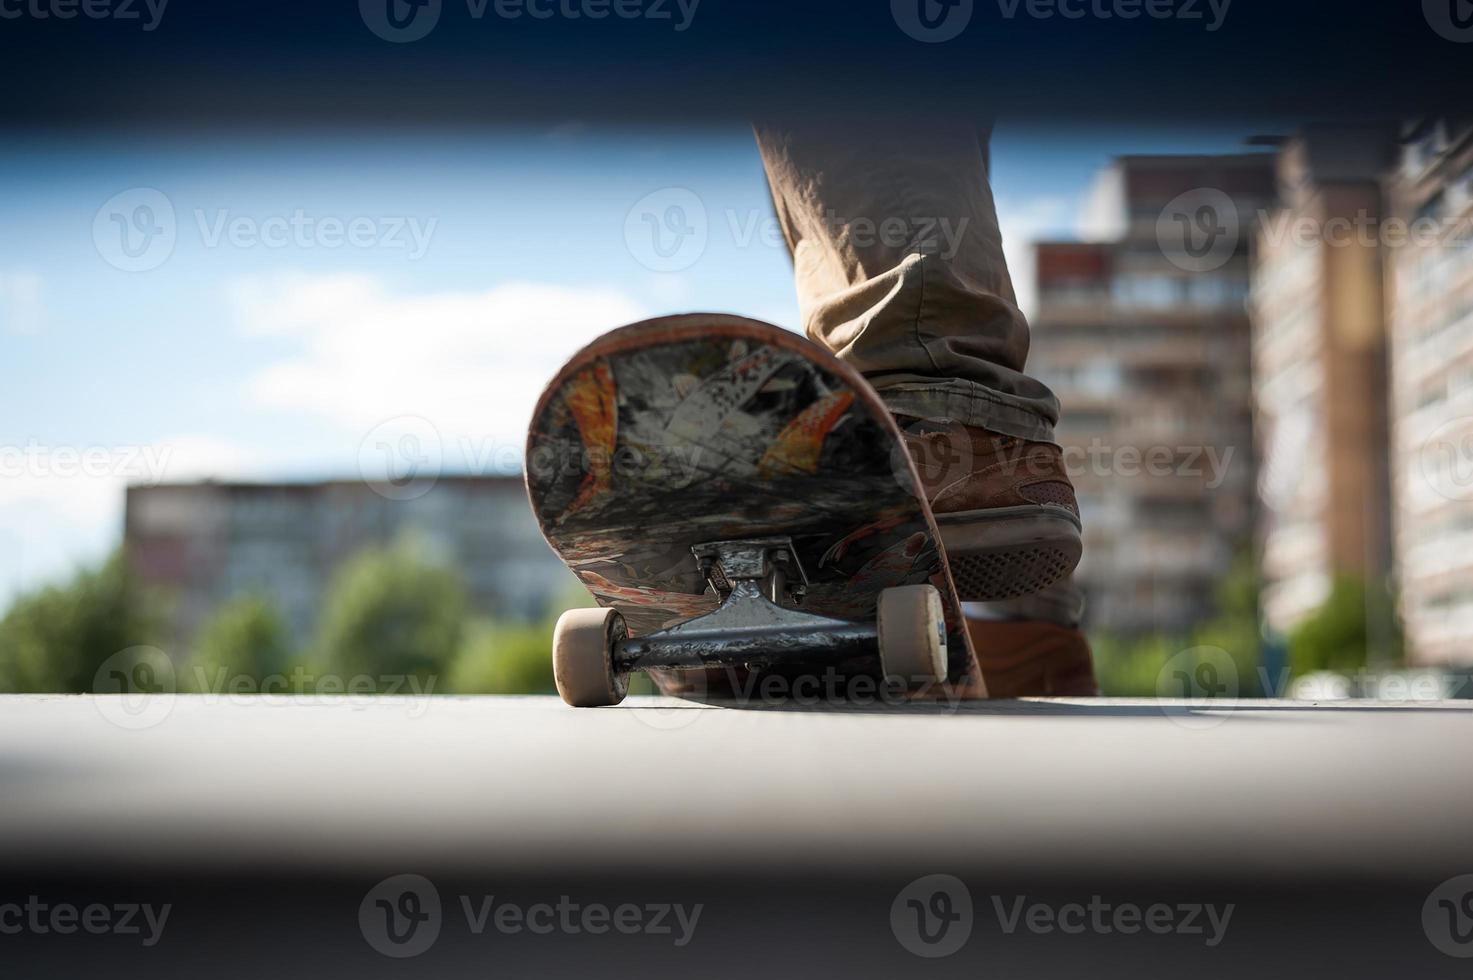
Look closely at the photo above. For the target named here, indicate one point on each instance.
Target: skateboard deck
(673, 433)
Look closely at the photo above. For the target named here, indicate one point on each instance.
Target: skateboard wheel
(912, 629)
(583, 658)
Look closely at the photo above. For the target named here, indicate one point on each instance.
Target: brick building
(1145, 339)
(1321, 372)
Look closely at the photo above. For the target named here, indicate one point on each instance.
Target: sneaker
(1005, 507)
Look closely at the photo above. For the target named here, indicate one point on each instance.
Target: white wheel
(912, 627)
(583, 657)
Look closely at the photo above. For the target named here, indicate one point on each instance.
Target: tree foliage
(504, 658)
(391, 613)
(1353, 628)
(244, 642)
(56, 639)
(1131, 666)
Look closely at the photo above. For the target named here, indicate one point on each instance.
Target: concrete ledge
(1047, 789)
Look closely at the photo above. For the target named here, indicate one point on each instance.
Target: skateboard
(734, 496)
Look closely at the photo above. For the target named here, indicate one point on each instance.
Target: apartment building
(1320, 372)
(1431, 342)
(1144, 336)
(198, 545)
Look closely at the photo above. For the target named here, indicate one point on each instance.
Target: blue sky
(479, 262)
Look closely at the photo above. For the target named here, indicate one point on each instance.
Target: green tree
(1352, 629)
(1237, 626)
(511, 657)
(391, 613)
(244, 639)
(1131, 666)
(55, 639)
(504, 658)
(1128, 667)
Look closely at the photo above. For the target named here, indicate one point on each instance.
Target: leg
(900, 271)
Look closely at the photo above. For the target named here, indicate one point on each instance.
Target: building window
(1149, 292)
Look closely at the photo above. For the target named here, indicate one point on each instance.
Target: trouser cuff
(968, 403)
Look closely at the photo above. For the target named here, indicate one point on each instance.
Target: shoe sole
(1009, 552)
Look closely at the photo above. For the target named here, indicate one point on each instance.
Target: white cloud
(472, 363)
(21, 308)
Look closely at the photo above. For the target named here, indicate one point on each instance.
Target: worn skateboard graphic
(733, 495)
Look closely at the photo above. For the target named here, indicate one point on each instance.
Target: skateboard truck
(751, 627)
(770, 560)
(593, 654)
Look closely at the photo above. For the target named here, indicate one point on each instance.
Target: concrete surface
(1266, 790)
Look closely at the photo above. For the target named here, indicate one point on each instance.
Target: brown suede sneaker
(1033, 659)
(1005, 507)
